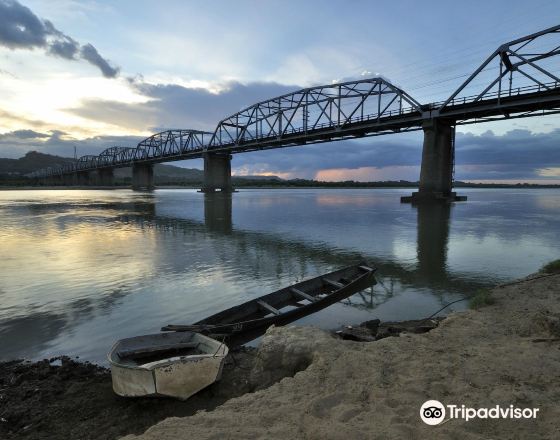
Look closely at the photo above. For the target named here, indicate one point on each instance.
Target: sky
(93, 74)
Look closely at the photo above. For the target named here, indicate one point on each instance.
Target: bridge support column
(217, 173)
(105, 177)
(56, 180)
(69, 179)
(83, 178)
(143, 177)
(436, 171)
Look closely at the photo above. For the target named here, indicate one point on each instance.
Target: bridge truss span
(115, 155)
(171, 143)
(316, 114)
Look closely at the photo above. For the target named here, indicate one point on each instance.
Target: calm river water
(80, 269)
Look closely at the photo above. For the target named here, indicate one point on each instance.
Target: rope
(527, 280)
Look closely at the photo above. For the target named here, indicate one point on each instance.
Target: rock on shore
(507, 354)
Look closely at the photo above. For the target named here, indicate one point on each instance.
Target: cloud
(340, 160)
(176, 106)
(90, 54)
(17, 143)
(20, 28)
(4, 115)
(65, 48)
(204, 107)
(550, 172)
(370, 174)
(518, 154)
(7, 73)
(23, 134)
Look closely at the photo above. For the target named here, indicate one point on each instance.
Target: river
(83, 268)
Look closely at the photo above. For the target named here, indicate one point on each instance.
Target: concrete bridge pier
(436, 171)
(83, 178)
(217, 173)
(105, 177)
(55, 180)
(143, 177)
(69, 179)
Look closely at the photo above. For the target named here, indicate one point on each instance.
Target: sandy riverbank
(307, 383)
(507, 353)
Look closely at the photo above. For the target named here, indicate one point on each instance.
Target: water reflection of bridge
(257, 251)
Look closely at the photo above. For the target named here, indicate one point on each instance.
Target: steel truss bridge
(519, 79)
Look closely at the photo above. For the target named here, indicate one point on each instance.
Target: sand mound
(506, 354)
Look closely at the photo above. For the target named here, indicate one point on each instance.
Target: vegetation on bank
(552, 267)
(481, 298)
(248, 182)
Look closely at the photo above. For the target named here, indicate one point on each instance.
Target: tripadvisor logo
(432, 412)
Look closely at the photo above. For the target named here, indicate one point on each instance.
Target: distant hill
(32, 161)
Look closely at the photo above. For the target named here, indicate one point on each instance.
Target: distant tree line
(242, 182)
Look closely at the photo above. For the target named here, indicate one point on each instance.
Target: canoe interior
(287, 302)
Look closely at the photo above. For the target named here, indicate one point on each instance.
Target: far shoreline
(197, 187)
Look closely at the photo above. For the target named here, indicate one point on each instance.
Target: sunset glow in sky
(94, 74)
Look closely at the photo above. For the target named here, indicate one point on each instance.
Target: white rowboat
(166, 364)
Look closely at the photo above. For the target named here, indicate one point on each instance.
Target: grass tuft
(480, 299)
(552, 267)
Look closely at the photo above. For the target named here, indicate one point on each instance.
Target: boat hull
(178, 376)
(239, 328)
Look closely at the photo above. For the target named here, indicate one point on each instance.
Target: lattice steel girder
(85, 162)
(157, 147)
(306, 110)
(171, 143)
(115, 155)
(520, 59)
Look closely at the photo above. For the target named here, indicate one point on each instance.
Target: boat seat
(303, 295)
(148, 351)
(333, 283)
(268, 307)
(366, 268)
